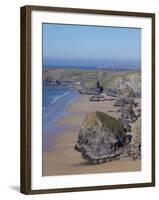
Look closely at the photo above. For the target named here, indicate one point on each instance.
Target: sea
(56, 100)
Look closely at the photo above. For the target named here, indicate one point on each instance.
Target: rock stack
(101, 138)
(128, 115)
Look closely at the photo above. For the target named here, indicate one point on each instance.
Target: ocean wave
(58, 97)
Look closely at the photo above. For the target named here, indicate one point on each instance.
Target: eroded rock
(101, 138)
(97, 98)
(128, 115)
(122, 101)
(111, 92)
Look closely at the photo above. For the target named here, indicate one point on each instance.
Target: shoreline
(50, 127)
(62, 159)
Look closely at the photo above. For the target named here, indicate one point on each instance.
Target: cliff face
(114, 82)
(128, 85)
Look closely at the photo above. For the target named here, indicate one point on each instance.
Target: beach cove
(62, 159)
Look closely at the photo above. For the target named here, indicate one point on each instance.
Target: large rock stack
(101, 138)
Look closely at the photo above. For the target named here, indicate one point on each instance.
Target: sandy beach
(62, 159)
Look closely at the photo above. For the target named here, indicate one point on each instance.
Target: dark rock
(101, 138)
(127, 126)
(97, 98)
(128, 115)
(110, 99)
(122, 101)
(138, 113)
(133, 149)
(137, 94)
(111, 92)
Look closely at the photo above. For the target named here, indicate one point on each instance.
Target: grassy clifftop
(107, 78)
(101, 119)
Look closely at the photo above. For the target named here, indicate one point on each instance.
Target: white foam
(58, 97)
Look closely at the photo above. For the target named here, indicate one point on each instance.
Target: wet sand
(62, 159)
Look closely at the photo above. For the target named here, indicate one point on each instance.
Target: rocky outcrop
(128, 85)
(122, 101)
(136, 94)
(97, 98)
(101, 138)
(138, 112)
(126, 125)
(111, 92)
(128, 115)
(133, 149)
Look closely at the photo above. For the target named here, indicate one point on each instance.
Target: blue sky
(91, 46)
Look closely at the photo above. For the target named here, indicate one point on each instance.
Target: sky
(91, 46)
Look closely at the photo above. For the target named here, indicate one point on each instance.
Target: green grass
(109, 121)
(89, 77)
(98, 118)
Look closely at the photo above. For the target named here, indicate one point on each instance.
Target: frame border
(25, 95)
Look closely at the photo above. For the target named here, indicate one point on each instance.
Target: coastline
(62, 159)
(56, 102)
